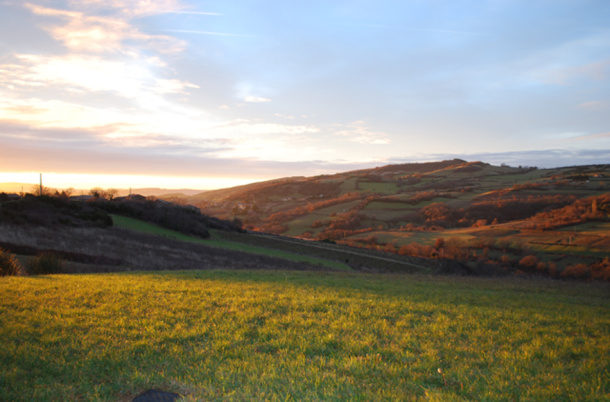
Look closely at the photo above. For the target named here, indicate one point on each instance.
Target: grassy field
(303, 223)
(378, 187)
(217, 240)
(275, 335)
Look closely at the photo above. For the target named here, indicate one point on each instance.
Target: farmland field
(286, 335)
(378, 187)
(217, 240)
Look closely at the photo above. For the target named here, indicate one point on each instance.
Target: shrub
(44, 264)
(529, 261)
(601, 270)
(9, 265)
(541, 267)
(578, 271)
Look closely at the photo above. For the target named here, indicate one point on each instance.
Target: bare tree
(98, 192)
(48, 191)
(111, 193)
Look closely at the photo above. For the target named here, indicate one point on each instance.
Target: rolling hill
(490, 220)
(471, 211)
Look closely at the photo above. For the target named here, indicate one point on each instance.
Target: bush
(578, 271)
(529, 261)
(9, 265)
(44, 264)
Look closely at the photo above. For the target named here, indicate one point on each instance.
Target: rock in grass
(154, 395)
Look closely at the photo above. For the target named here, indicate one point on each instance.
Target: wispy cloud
(548, 158)
(256, 99)
(359, 132)
(132, 8)
(189, 31)
(594, 105)
(248, 128)
(132, 77)
(83, 33)
(96, 150)
(195, 13)
(107, 147)
(592, 137)
(433, 30)
(597, 71)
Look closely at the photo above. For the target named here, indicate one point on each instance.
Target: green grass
(216, 240)
(303, 223)
(384, 215)
(598, 228)
(403, 206)
(145, 227)
(348, 185)
(256, 335)
(378, 187)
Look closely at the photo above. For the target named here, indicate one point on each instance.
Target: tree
(111, 193)
(438, 244)
(454, 248)
(98, 192)
(48, 191)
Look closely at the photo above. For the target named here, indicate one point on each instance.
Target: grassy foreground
(300, 336)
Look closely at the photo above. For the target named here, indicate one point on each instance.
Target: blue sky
(208, 94)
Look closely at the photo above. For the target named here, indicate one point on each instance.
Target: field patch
(378, 187)
(593, 228)
(248, 335)
(389, 205)
(217, 240)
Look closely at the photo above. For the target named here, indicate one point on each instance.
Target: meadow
(217, 239)
(290, 335)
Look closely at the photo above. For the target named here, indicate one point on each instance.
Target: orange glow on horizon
(88, 181)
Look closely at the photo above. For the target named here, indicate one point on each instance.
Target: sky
(212, 94)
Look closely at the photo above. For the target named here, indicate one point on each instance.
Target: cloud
(359, 132)
(202, 32)
(592, 137)
(549, 158)
(132, 77)
(597, 71)
(249, 92)
(97, 34)
(195, 13)
(594, 105)
(256, 99)
(248, 128)
(443, 31)
(130, 8)
(94, 149)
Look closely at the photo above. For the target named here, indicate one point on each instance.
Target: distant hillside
(57, 212)
(471, 211)
(486, 219)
